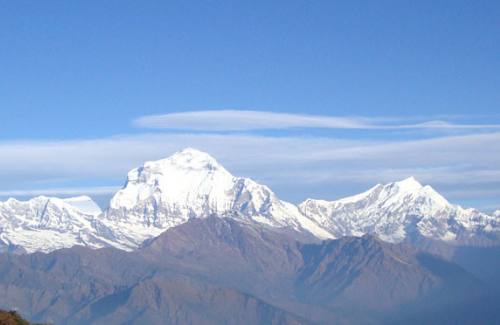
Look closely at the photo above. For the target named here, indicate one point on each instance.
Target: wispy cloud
(236, 120)
(240, 120)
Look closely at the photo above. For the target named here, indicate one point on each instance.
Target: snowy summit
(398, 211)
(192, 184)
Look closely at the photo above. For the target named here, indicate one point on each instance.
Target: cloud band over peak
(237, 120)
(247, 120)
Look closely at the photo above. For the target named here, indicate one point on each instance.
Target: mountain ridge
(227, 271)
(191, 184)
(46, 224)
(399, 211)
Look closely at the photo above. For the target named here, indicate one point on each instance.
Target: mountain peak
(408, 184)
(192, 153)
(186, 159)
(396, 211)
(192, 184)
(186, 177)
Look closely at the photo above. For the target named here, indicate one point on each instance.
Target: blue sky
(89, 90)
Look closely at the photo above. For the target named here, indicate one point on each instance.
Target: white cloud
(237, 120)
(241, 120)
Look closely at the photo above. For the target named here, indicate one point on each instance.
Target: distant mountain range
(192, 184)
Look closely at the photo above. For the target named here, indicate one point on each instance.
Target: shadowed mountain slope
(221, 270)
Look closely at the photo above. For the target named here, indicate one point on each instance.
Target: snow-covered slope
(46, 224)
(399, 211)
(192, 184)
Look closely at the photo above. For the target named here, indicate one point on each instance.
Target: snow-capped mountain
(398, 211)
(192, 184)
(47, 223)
